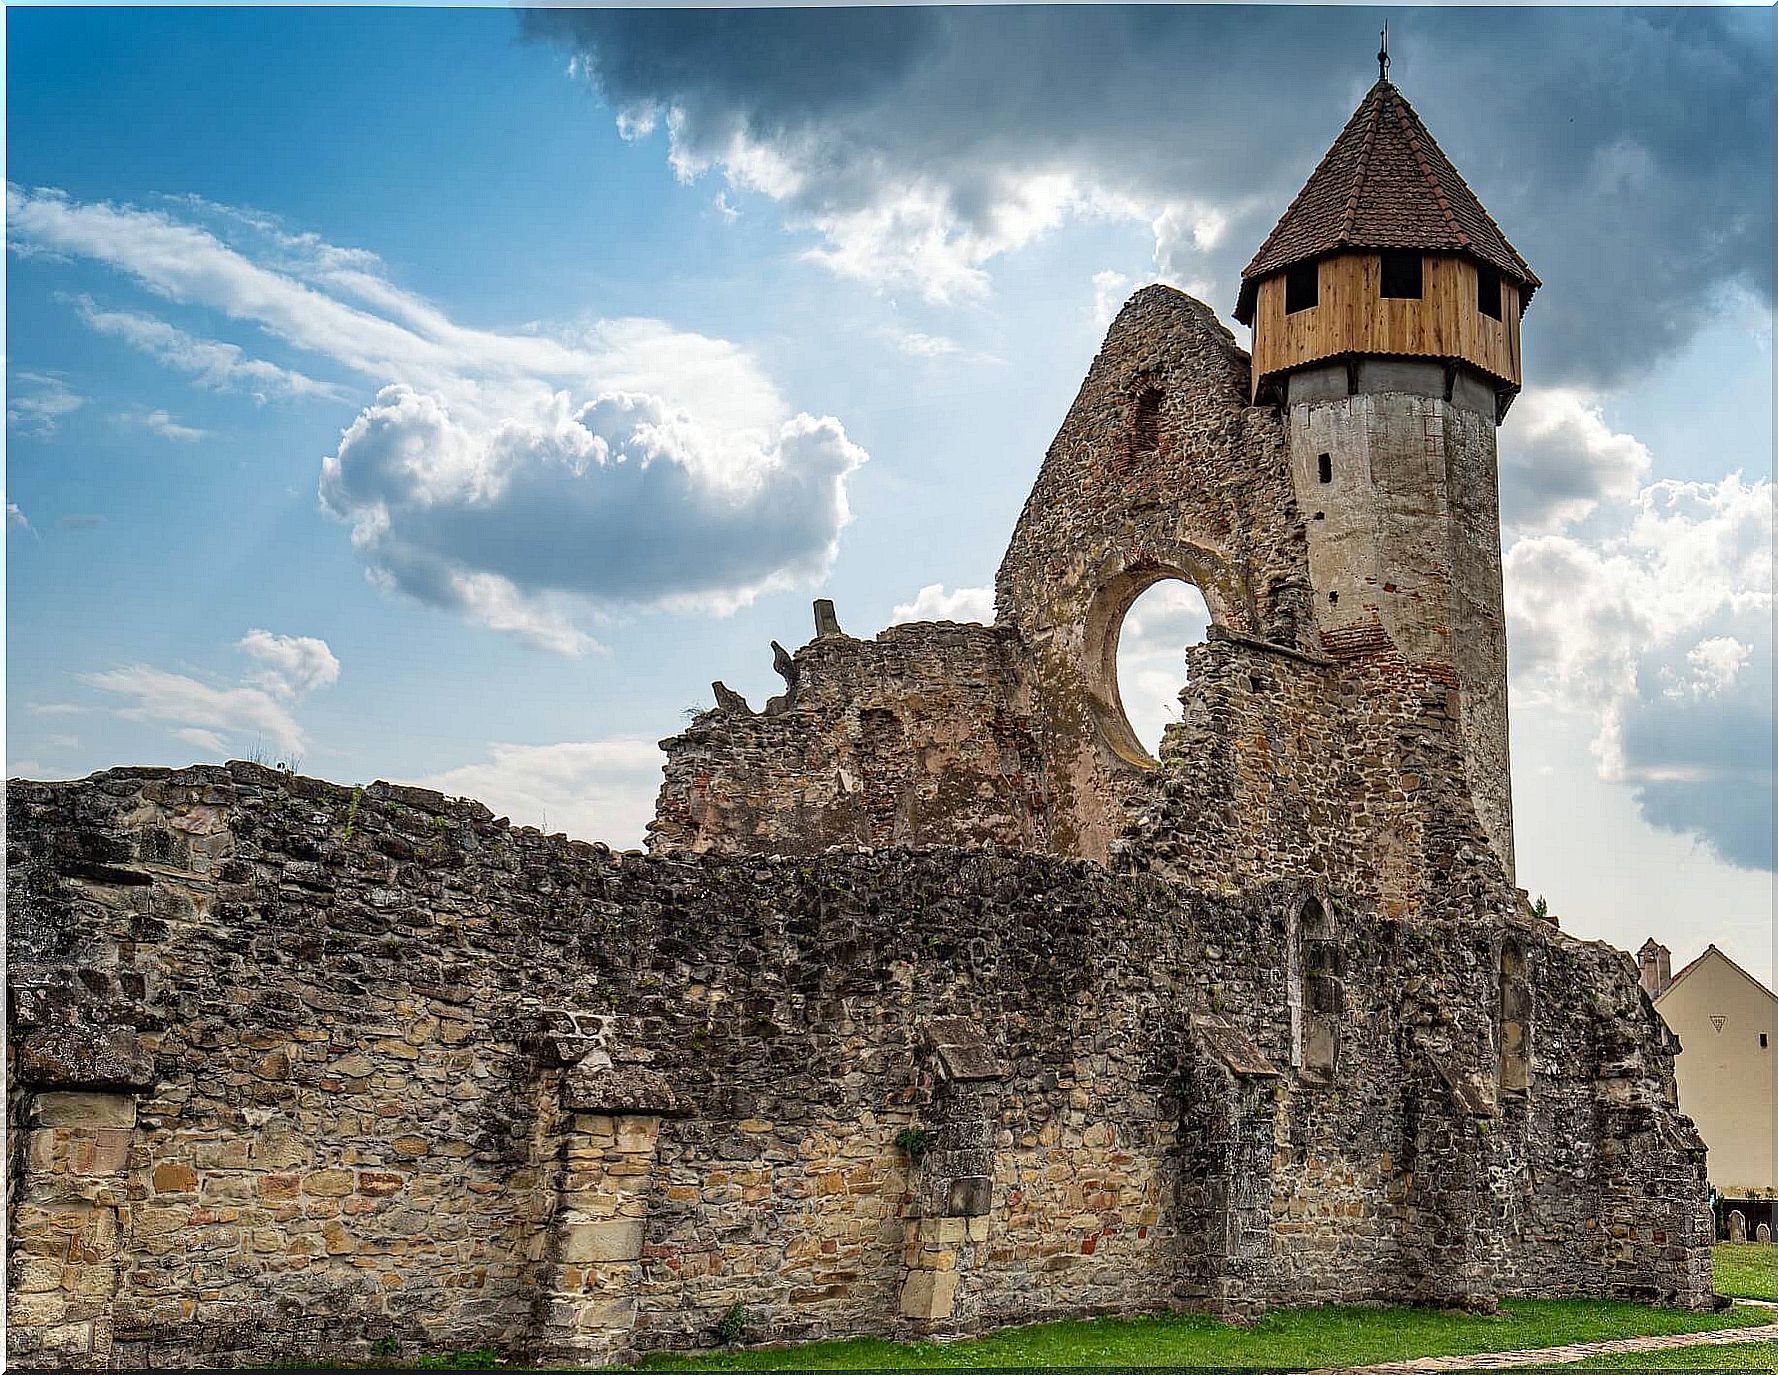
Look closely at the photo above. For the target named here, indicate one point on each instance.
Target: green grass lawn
(1747, 1270)
(1303, 1337)
(1745, 1356)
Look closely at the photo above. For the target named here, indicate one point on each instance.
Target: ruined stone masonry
(937, 1004)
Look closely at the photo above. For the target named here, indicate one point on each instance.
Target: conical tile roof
(1384, 184)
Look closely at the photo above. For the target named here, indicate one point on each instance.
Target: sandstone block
(67, 1109)
(174, 1178)
(585, 1243)
(329, 1183)
(282, 1147)
(929, 1294)
(601, 1315)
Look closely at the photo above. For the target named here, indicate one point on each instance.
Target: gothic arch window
(1140, 627)
(1515, 1020)
(1321, 993)
(1157, 630)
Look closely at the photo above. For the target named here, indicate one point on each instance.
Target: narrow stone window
(1322, 993)
(1515, 1021)
(1762, 1040)
(1400, 275)
(1302, 287)
(1324, 467)
(1145, 422)
(1487, 292)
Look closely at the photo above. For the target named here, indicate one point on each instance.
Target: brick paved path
(1561, 1355)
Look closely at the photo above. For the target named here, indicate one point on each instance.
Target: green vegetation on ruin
(1283, 1338)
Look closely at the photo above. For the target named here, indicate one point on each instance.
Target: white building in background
(1727, 1022)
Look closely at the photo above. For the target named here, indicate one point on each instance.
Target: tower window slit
(1324, 465)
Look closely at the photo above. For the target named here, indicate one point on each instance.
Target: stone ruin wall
(923, 735)
(942, 733)
(297, 1067)
(1311, 742)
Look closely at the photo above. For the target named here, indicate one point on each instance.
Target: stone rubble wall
(1283, 764)
(951, 734)
(922, 735)
(296, 1068)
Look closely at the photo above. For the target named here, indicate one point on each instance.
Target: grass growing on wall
(1747, 1270)
(1304, 1337)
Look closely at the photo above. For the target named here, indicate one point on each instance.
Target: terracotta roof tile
(1385, 183)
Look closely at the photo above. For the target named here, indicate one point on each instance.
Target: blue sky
(336, 339)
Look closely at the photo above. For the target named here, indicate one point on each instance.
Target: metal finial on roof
(1383, 54)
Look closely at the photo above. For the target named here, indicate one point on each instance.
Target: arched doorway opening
(1161, 623)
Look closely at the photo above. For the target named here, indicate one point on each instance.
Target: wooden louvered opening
(1487, 292)
(1302, 288)
(1399, 275)
(1354, 317)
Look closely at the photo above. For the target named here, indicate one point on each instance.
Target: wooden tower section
(1386, 252)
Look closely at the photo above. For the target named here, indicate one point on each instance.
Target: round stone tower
(1385, 311)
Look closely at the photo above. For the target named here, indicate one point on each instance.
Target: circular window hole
(1158, 628)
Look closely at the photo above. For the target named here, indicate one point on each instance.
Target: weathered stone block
(79, 1055)
(94, 1109)
(930, 1295)
(971, 1196)
(585, 1243)
(334, 1183)
(174, 1177)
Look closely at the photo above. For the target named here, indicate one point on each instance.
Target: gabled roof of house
(1385, 183)
(1710, 950)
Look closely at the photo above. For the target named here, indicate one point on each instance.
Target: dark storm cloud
(1626, 152)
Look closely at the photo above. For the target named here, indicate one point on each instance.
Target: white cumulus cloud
(1660, 632)
(294, 664)
(592, 789)
(1559, 460)
(255, 712)
(934, 603)
(527, 480)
